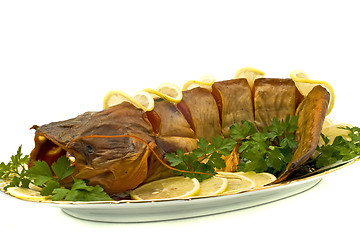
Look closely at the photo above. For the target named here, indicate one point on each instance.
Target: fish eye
(89, 149)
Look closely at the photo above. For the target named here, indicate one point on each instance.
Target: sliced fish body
(173, 130)
(273, 98)
(235, 103)
(203, 112)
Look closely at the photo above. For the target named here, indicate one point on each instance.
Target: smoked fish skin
(273, 98)
(311, 112)
(235, 103)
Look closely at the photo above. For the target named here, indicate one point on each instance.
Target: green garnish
(209, 153)
(49, 179)
(340, 150)
(80, 191)
(16, 170)
(267, 151)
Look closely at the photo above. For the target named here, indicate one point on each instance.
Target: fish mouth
(47, 150)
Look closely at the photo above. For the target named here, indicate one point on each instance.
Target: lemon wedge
(168, 188)
(213, 186)
(167, 91)
(26, 194)
(236, 183)
(251, 74)
(305, 85)
(205, 82)
(141, 100)
(260, 179)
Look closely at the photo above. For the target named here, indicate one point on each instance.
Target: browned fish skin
(174, 131)
(236, 103)
(273, 98)
(204, 112)
(311, 114)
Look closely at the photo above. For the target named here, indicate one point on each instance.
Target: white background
(59, 58)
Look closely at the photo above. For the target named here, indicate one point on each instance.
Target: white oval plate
(183, 208)
(145, 211)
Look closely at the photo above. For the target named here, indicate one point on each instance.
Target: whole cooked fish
(117, 148)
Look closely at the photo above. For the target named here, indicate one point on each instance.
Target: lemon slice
(260, 179)
(114, 97)
(236, 183)
(331, 132)
(205, 82)
(251, 74)
(167, 91)
(141, 100)
(305, 85)
(26, 194)
(213, 186)
(327, 123)
(144, 100)
(168, 188)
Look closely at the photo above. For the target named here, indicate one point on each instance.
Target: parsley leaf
(62, 168)
(269, 150)
(49, 187)
(80, 191)
(339, 150)
(49, 178)
(15, 170)
(202, 162)
(190, 164)
(242, 131)
(40, 173)
(59, 194)
(223, 145)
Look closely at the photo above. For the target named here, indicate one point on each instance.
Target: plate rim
(72, 204)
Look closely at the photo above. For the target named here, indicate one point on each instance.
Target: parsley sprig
(340, 149)
(210, 154)
(268, 150)
(16, 170)
(271, 149)
(49, 179)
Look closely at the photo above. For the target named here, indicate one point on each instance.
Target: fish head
(110, 148)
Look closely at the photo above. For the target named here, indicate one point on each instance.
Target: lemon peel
(327, 122)
(26, 194)
(168, 188)
(144, 100)
(305, 85)
(332, 131)
(260, 179)
(250, 73)
(141, 100)
(167, 91)
(205, 82)
(236, 183)
(212, 186)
